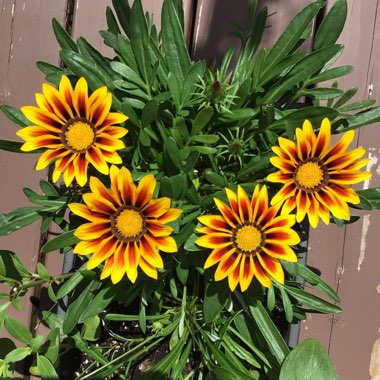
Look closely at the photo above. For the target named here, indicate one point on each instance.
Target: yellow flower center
(248, 238)
(309, 175)
(129, 223)
(80, 135)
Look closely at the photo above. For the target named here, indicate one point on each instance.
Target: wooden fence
(347, 257)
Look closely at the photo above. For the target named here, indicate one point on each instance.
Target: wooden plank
(347, 257)
(213, 24)
(26, 36)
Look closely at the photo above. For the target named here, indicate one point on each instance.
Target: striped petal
(233, 278)
(148, 269)
(132, 259)
(86, 247)
(280, 251)
(57, 102)
(80, 99)
(226, 266)
(323, 140)
(216, 240)
(98, 204)
(95, 157)
(119, 264)
(229, 215)
(261, 274)
(80, 166)
(149, 252)
(170, 215)
(246, 272)
(145, 190)
(272, 267)
(217, 255)
(215, 222)
(48, 156)
(245, 209)
(105, 250)
(166, 244)
(91, 231)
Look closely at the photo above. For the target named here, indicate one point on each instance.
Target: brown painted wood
(348, 257)
(26, 36)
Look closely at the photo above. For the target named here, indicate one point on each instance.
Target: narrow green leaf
(287, 305)
(370, 116)
(369, 199)
(331, 26)
(346, 97)
(309, 360)
(48, 188)
(201, 120)
(292, 34)
(77, 307)
(307, 66)
(112, 25)
(149, 113)
(70, 284)
(173, 41)
(42, 271)
(66, 239)
(17, 330)
(123, 12)
(63, 38)
(215, 299)
(323, 92)
(12, 146)
(51, 346)
(18, 218)
(91, 329)
(47, 370)
(268, 329)
(358, 105)
(312, 301)
(333, 73)
(18, 354)
(15, 115)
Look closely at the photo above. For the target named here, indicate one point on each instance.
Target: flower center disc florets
(248, 238)
(311, 175)
(128, 224)
(79, 134)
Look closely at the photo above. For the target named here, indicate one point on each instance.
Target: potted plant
(184, 190)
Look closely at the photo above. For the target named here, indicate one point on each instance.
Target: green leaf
(6, 346)
(290, 37)
(268, 329)
(358, 105)
(46, 368)
(173, 41)
(18, 354)
(322, 92)
(287, 306)
(48, 188)
(79, 305)
(42, 271)
(305, 67)
(149, 112)
(215, 179)
(128, 73)
(346, 97)
(12, 146)
(70, 284)
(369, 199)
(36, 343)
(51, 346)
(15, 115)
(206, 139)
(309, 360)
(66, 239)
(63, 38)
(139, 39)
(11, 266)
(216, 297)
(333, 73)
(371, 116)
(331, 26)
(312, 301)
(17, 330)
(112, 25)
(91, 329)
(296, 118)
(123, 12)
(201, 120)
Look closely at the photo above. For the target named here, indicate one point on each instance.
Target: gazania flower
(126, 226)
(248, 239)
(317, 177)
(75, 129)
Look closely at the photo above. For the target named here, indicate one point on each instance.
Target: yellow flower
(76, 130)
(317, 177)
(248, 239)
(127, 226)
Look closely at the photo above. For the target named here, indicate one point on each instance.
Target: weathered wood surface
(26, 36)
(349, 257)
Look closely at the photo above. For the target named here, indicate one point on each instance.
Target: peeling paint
(372, 162)
(363, 241)
(198, 26)
(378, 289)
(374, 365)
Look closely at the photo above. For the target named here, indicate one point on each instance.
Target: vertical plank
(351, 262)
(26, 36)
(214, 18)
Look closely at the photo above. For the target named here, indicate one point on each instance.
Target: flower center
(80, 135)
(129, 223)
(309, 175)
(248, 238)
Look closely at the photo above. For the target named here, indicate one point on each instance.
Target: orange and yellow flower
(127, 226)
(317, 177)
(248, 239)
(76, 129)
